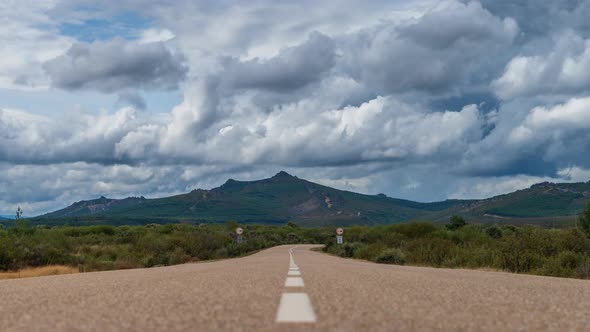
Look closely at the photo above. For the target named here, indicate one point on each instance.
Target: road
(274, 290)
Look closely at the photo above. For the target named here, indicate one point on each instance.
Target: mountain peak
(282, 174)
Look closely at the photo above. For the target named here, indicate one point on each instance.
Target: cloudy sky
(424, 99)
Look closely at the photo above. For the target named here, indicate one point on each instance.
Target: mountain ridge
(285, 197)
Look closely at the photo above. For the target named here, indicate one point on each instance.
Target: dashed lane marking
(294, 282)
(295, 308)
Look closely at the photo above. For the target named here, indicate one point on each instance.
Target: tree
(291, 224)
(585, 220)
(455, 223)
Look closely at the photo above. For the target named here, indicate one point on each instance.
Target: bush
(352, 249)
(494, 232)
(585, 220)
(428, 251)
(370, 252)
(391, 256)
(556, 252)
(455, 223)
(414, 230)
(517, 254)
(583, 269)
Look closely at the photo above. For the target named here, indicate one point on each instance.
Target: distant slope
(540, 200)
(278, 199)
(284, 198)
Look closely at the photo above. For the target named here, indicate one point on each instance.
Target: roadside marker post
(239, 232)
(339, 232)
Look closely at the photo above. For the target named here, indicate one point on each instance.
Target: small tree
(291, 224)
(455, 223)
(585, 220)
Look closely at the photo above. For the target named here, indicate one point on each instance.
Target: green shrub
(428, 251)
(394, 240)
(455, 223)
(494, 232)
(371, 251)
(391, 256)
(585, 220)
(583, 268)
(178, 256)
(517, 254)
(351, 249)
(414, 230)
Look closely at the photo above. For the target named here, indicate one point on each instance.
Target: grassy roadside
(527, 249)
(30, 272)
(100, 248)
(531, 250)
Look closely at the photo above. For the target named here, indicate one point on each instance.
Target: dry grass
(49, 270)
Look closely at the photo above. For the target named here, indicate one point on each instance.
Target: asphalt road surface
(275, 290)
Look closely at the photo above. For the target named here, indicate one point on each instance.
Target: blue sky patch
(127, 25)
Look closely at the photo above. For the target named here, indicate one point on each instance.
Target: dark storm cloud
(109, 66)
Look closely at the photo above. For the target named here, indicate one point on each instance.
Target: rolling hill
(284, 198)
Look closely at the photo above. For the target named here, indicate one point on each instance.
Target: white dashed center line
(294, 282)
(295, 307)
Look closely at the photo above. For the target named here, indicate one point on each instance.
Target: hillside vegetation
(95, 248)
(528, 249)
(285, 198)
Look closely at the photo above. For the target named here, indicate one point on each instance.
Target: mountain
(542, 200)
(284, 198)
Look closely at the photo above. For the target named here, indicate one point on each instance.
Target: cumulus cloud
(423, 99)
(292, 68)
(30, 139)
(381, 129)
(155, 36)
(28, 39)
(564, 70)
(440, 51)
(109, 66)
(541, 18)
(538, 141)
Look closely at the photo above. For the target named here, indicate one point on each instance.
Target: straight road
(290, 288)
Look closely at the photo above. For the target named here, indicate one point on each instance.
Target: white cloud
(556, 121)
(574, 174)
(28, 38)
(376, 96)
(479, 188)
(564, 70)
(155, 36)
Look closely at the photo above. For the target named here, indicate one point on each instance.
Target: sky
(423, 100)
